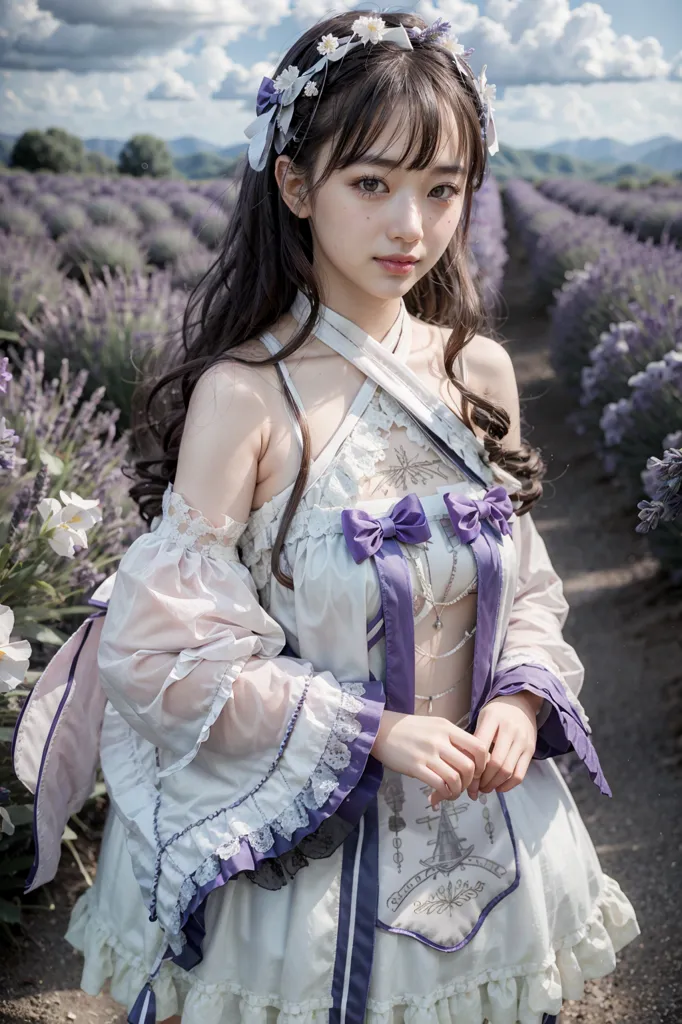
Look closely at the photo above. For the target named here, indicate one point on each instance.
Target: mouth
(397, 264)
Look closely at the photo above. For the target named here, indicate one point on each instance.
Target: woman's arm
(535, 658)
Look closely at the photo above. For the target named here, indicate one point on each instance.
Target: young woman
(334, 668)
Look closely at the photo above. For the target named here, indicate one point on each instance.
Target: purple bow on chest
(366, 533)
(466, 514)
(379, 537)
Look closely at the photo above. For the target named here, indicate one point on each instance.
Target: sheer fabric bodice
(376, 456)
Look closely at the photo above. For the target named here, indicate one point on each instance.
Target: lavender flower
(110, 330)
(634, 426)
(29, 276)
(8, 443)
(5, 374)
(488, 254)
(625, 349)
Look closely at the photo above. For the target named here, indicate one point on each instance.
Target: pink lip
(396, 264)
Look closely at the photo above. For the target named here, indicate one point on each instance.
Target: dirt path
(626, 628)
(632, 695)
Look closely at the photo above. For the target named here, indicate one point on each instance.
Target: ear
(291, 187)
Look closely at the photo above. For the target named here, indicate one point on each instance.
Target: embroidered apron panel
(441, 872)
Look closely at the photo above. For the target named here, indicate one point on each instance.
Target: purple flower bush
(488, 254)
(60, 462)
(19, 219)
(646, 215)
(29, 276)
(166, 243)
(602, 293)
(89, 252)
(557, 241)
(623, 350)
(662, 513)
(152, 211)
(210, 227)
(67, 217)
(635, 426)
(110, 329)
(112, 213)
(54, 441)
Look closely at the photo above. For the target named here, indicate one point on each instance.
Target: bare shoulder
(225, 434)
(490, 373)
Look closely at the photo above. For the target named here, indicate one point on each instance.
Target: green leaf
(54, 464)
(6, 734)
(10, 913)
(22, 814)
(9, 336)
(45, 634)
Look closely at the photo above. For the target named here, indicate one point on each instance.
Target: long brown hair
(267, 251)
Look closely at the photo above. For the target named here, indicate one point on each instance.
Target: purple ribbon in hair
(469, 516)
(267, 95)
(379, 537)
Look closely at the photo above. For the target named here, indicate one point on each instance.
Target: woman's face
(367, 212)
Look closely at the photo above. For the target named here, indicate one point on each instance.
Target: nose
(406, 219)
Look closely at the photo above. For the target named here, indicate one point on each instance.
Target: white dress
(271, 955)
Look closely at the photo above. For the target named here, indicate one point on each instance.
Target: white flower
(310, 89)
(327, 44)
(286, 78)
(452, 44)
(69, 522)
(370, 29)
(14, 657)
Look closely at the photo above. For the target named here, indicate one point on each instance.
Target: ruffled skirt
(563, 926)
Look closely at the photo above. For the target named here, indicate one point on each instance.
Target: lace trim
(324, 780)
(355, 461)
(190, 529)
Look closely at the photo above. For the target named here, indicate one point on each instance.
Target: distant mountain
(667, 158)
(533, 164)
(607, 150)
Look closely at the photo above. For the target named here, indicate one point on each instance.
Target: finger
(507, 768)
(519, 772)
(461, 762)
(470, 745)
(487, 729)
(450, 776)
(434, 780)
(498, 757)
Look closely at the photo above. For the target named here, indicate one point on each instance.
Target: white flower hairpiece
(276, 97)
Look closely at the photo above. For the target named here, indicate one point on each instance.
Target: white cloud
(82, 35)
(534, 116)
(173, 87)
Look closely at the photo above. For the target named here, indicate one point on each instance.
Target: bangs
(426, 123)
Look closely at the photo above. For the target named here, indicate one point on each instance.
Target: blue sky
(564, 68)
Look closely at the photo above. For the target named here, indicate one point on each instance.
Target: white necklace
(457, 647)
(434, 696)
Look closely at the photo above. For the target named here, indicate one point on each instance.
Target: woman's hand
(430, 749)
(511, 724)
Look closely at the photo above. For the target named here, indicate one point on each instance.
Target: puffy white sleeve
(188, 656)
(536, 657)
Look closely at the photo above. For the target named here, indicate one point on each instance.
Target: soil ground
(625, 623)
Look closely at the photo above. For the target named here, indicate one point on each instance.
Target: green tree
(98, 163)
(146, 155)
(54, 150)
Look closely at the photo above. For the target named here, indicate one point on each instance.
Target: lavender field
(95, 274)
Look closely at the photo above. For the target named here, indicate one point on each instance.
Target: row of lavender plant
(616, 345)
(646, 215)
(77, 226)
(65, 517)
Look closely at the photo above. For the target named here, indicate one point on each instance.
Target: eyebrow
(383, 161)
